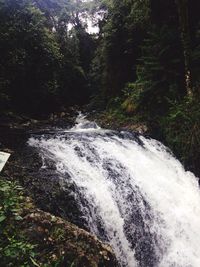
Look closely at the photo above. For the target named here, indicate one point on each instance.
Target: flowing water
(134, 193)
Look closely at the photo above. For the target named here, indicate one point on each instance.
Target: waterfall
(137, 195)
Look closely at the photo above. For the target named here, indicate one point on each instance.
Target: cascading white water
(139, 197)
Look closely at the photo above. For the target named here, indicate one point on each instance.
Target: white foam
(107, 169)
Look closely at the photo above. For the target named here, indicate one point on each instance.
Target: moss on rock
(32, 237)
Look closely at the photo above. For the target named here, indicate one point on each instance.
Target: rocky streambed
(52, 196)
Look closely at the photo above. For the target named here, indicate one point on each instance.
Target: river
(132, 192)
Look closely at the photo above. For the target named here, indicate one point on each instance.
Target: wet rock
(57, 238)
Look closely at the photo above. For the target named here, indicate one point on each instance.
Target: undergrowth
(181, 130)
(15, 250)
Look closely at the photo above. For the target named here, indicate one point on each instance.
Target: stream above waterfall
(131, 192)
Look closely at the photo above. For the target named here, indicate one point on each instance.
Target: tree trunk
(182, 6)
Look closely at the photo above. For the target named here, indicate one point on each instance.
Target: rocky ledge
(58, 239)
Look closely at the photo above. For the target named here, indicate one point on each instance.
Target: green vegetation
(147, 71)
(140, 71)
(15, 249)
(141, 66)
(43, 63)
(181, 129)
(30, 237)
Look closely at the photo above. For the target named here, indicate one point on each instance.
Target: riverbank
(178, 130)
(118, 121)
(49, 218)
(32, 237)
(52, 193)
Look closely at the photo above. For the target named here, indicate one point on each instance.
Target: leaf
(2, 218)
(34, 262)
(18, 218)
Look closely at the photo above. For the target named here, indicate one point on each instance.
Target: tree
(46, 55)
(182, 6)
(30, 57)
(121, 32)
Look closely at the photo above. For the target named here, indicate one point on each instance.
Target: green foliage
(141, 61)
(181, 129)
(58, 233)
(15, 250)
(132, 94)
(117, 52)
(158, 78)
(30, 56)
(135, 66)
(43, 63)
(10, 201)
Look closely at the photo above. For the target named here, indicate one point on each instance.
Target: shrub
(15, 250)
(181, 129)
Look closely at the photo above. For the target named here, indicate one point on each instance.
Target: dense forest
(131, 65)
(143, 63)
